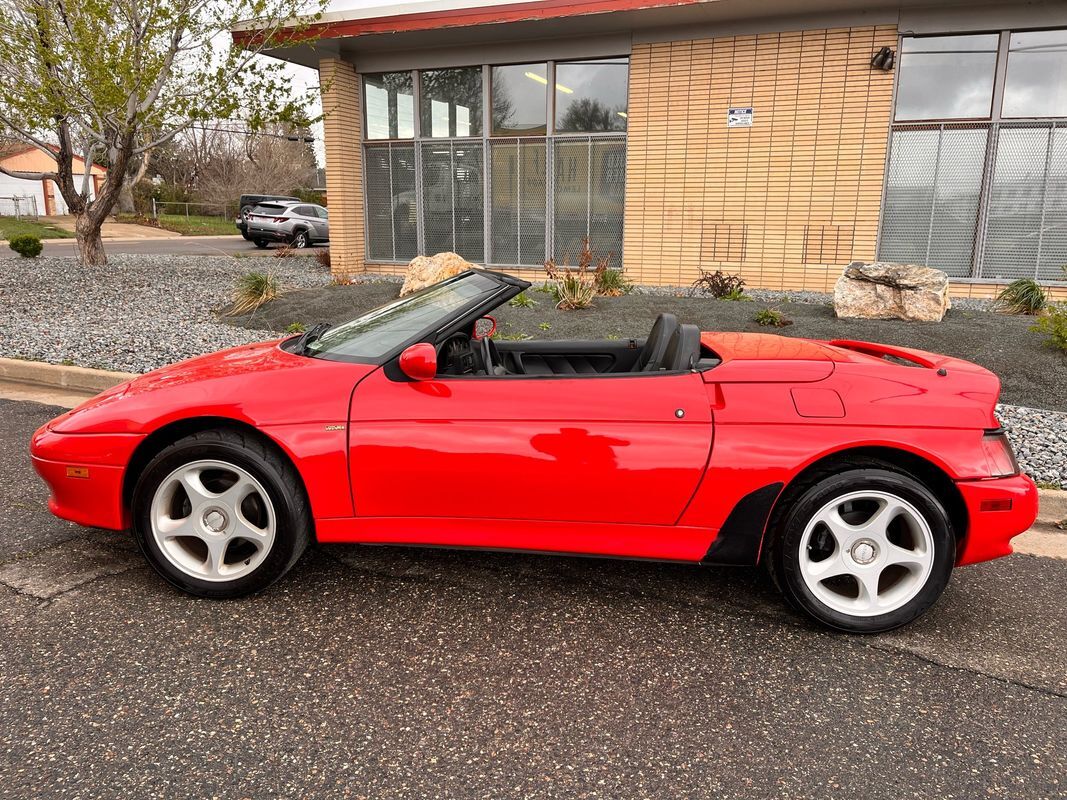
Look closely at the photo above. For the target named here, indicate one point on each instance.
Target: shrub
(771, 318)
(253, 290)
(576, 288)
(1024, 296)
(522, 300)
(545, 326)
(1054, 326)
(719, 284)
(295, 327)
(26, 245)
(611, 283)
(286, 252)
(323, 257)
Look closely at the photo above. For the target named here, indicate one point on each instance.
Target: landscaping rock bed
(136, 314)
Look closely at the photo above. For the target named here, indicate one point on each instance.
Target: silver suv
(295, 223)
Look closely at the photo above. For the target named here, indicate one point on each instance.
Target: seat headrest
(683, 349)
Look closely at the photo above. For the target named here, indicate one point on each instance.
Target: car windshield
(386, 328)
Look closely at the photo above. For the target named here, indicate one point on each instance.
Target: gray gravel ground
(406, 673)
(135, 314)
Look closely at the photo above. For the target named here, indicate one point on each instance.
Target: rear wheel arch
(922, 469)
(170, 433)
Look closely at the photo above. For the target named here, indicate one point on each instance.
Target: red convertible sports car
(859, 474)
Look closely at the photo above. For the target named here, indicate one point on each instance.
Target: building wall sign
(739, 117)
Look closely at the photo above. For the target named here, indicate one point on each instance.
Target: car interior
(670, 347)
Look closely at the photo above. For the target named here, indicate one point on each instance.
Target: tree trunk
(90, 245)
(125, 204)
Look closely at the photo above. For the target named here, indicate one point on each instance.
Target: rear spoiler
(883, 350)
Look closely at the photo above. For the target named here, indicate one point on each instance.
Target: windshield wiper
(302, 345)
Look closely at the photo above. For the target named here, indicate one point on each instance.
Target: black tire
(246, 236)
(301, 240)
(260, 243)
(802, 503)
(276, 475)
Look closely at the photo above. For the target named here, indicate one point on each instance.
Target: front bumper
(85, 474)
(997, 510)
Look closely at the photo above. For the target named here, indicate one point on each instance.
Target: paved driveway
(392, 673)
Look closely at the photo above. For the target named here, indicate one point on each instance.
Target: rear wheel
(260, 243)
(217, 514)
(301, 240)
(863, 550)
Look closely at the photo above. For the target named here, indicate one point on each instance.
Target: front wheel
(219, 514)
(863, 550)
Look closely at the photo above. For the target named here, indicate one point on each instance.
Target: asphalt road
(392, 673)
(183, 246)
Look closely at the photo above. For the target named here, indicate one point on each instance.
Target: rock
(424, 271)
(891, 291)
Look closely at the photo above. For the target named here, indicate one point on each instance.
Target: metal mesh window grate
(518, 193)
(392, 223)
(1026, 228)
(589, 181)
(452, 198)
(933, 189)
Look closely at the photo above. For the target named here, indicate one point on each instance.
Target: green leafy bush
(295, 327)
(522, 300)
(576, 288)
(771, 318)
(719, 284)
(253, 290)
(611, 283)
(26, 245)
(1024, 296)
(1054, 326)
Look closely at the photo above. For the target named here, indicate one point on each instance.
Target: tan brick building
(775, 139)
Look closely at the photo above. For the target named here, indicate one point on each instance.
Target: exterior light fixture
(883, 59)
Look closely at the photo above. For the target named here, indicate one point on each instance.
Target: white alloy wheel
(866, 553)
(213, 520)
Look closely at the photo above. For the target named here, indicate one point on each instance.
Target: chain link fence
(19, 207)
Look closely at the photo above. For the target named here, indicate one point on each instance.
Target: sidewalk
(117, 231)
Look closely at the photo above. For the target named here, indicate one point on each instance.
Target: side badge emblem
(335, 427)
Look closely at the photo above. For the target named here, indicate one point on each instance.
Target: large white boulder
(880, 290)
(425, 271)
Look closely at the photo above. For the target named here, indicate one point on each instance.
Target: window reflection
(946, 77)
(519, 97)
(591, 95)
(451, 101)
(390, 102)
(1036, 83)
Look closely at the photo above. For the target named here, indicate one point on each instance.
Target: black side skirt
(739, 538)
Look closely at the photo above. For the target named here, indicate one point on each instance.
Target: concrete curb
(58, 376)
(1053, 505)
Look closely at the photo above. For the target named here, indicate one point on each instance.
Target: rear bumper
(998, 510)
(273, 234)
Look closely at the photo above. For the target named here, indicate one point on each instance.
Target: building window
(591, 95)
(390, 103)
(1036, 83)
(508, 196)
(520, 93)
(946, 77)
(985, 199)
(451, 101)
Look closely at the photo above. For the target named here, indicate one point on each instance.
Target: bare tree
(115, 79)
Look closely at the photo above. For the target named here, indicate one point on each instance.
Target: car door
(323, 223)
(628, 449)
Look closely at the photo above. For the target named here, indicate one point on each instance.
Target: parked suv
(250, 201)
(295, 223)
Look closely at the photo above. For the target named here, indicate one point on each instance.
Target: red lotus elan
(859, 474)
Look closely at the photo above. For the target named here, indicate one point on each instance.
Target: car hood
(260, 384)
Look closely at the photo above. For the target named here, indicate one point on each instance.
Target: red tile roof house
(775, 139)
(43, 196)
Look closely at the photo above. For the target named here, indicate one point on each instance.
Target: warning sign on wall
(739, 117)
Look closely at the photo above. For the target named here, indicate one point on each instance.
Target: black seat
(651, 357)
(683, 350)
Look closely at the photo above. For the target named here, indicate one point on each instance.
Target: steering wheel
(489, 354)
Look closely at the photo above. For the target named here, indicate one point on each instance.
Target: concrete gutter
(58, 376)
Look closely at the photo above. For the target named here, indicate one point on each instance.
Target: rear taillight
(998, 453)
(280, 219)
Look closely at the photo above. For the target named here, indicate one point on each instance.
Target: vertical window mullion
(933, 193)
(487, 121)
(1044, 199)
(550, 159)
(392, 194)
